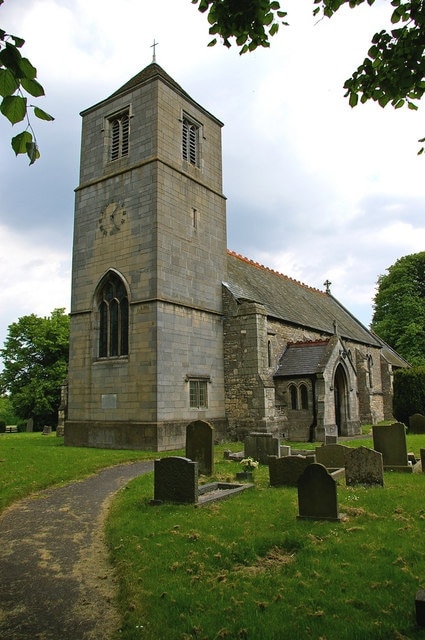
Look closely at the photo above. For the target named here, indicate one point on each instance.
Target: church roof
(303, 358)
(153, 72)
(293, 302)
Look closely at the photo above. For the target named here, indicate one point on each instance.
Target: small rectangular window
(119, 126)
(190, 141)
(198, 396)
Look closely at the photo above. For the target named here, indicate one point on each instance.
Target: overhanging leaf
(20, 142)
(32, 87)
(14, 108)
(8, 83)
(39, 113)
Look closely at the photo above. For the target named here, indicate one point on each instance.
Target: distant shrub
(409, 393)
(2, 426)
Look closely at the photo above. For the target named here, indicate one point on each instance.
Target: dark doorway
(341, 401)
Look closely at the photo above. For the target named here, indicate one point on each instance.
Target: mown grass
(30, 462)
(246, 568)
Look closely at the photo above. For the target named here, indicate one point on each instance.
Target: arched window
(113, 312)
(294, 396)
(304, 396)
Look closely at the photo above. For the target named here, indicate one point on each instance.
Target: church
(167, 325)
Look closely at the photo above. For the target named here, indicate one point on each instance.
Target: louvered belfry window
(120, 129)
(190, 141)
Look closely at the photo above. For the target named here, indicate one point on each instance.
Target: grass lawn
(246, 568)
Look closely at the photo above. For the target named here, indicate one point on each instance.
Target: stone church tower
(146, 352)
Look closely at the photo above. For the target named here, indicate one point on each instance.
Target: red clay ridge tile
(277, 273)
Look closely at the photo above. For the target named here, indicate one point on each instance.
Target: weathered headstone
(200, 445)
(422, 452)
(176, 480)
(317, 494)
(332, 456)
(286, 471)
(417, 423)
(260, 446)
(391, 442)
(46, 430)
(331, 439)
(364, 466)
(420, 607)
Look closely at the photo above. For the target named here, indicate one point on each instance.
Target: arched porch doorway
(341, 400)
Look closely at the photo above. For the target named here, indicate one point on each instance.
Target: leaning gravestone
(391, 442)
(364, 466)
(422, 452)
(260, 446)
(317, 494)
(200, 445)
(176, 480)
(287, 470)
(332, 456)
(417, 423)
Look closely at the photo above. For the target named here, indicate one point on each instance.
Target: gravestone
(286, 471)
(200, 445)
(176, 480)
(46, 430)
(364, 466)
(422, 452)
(420, 607)
(260, 446)
(332, 456)
(331, 439)
(317, 494)
(417, 423)
(391, 442)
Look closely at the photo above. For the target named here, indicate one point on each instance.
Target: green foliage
(17, 75)
(250, 22)
(409, 393)
(7, 414)
(35, 356)
(393, 72)
(399, 307)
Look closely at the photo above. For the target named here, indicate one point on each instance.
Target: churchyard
(249, 566)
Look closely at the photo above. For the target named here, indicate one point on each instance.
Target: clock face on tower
(112, 217)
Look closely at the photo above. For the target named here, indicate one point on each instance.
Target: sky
(315, 190)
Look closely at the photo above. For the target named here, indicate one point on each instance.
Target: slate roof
(303, 358)
(153, 72)
(291, 301)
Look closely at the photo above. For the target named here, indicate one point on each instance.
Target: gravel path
(55, 580)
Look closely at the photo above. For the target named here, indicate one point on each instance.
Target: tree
(393, 71)
(18, 75)
(399, 308)
(35, 356)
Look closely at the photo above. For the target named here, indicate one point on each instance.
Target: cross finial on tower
(327, 284)
(153, 46)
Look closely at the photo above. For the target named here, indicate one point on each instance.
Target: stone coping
(219, 491)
